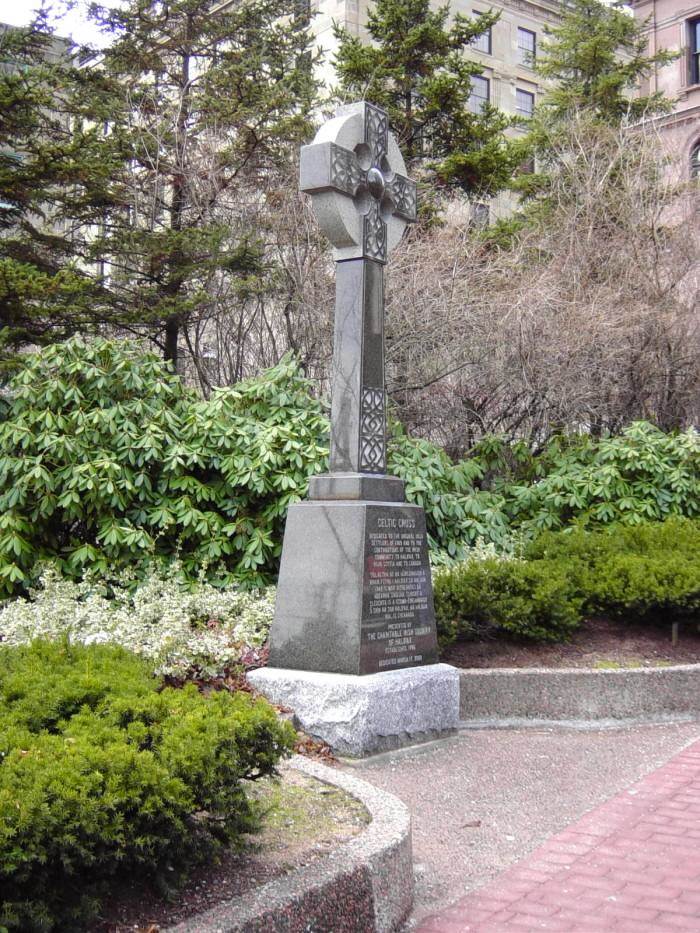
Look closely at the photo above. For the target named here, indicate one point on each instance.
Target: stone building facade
(507, 54)
(675, 25)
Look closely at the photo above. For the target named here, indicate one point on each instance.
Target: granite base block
(359, 486)
(363, 715)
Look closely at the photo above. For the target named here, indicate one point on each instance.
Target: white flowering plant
(182, 628)
(510, 548)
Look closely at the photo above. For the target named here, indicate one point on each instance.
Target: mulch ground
(597, 643)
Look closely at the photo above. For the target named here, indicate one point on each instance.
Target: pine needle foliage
(105, 777)
(415, 67)
(127, 174)
(596, 59)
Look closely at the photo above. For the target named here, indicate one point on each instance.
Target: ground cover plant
(182, 629)
(103, 773)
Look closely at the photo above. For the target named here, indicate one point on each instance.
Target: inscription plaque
(398, 621)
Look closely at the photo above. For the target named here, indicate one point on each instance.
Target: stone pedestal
(360, 716)
(353, 646)
(354, 594)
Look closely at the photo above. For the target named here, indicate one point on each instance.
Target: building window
(482, 42)
(526, 47)
(694, 46)
(479, 96)
(695, 161)
(479, 214)
(524, 103)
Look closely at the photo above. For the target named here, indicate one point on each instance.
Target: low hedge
(530, 599)
(647, 572)
(105, 775)
(643, 573)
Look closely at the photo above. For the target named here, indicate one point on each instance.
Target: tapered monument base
(354, 594)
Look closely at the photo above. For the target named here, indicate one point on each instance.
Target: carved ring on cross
(356, 176)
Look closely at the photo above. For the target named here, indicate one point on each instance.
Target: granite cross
(363, 200)
(354, 593)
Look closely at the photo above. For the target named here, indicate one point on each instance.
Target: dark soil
(598, 643)
(308, 820)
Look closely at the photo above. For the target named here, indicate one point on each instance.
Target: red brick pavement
(632, 864)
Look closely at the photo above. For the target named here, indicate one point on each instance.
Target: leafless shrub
(590, 320)
(288, 307)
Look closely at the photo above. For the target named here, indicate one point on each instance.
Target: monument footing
(373, 487)
(364, 715)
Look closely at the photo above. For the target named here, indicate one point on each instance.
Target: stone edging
(516, 696)
(365, 885)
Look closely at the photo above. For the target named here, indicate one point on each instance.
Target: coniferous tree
(595, 59)
(416, 69)
(158, 146)
(44, 295)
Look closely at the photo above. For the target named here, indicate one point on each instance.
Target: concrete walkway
(487, 799)
(632, 864)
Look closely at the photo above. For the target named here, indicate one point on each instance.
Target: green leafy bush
(182, 629)
(528, 599)
(107, 460)
(640, 475)
(105, 775)
(644, 572)
(457, 514)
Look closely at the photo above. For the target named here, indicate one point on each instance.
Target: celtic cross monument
(354, 596)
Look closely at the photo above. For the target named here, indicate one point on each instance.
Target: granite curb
(517, 697)
(366, 885)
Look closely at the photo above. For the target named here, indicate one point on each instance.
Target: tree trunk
(172, 332)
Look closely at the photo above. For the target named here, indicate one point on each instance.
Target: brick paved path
(632, 864)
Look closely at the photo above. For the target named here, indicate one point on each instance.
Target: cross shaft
(354, 174)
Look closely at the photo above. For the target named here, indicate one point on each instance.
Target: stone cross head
(357, 178)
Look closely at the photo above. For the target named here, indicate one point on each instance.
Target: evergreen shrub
(528, 599)
(458, 515)
(183, 629)
(105, 775)
(647, 572)
(107, 460)
(640, 475)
